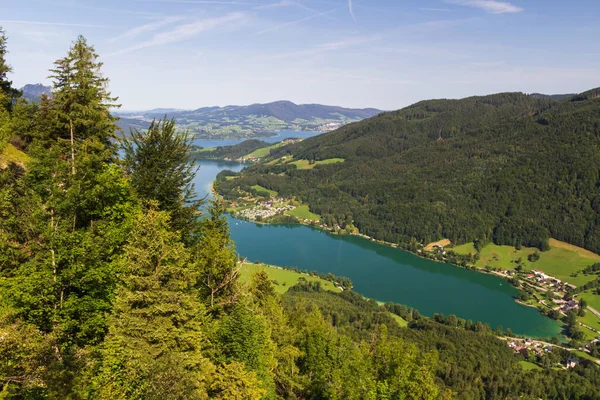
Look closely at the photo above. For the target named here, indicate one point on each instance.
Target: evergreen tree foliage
(77, 204)
(8, 94)
(154, 348)
(216, 260)
(159, 165)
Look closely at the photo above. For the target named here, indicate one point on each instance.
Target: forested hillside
(116, 284)
(508, 168)
(231, 152)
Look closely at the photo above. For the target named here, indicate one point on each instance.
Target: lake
(205, 143)
(381, 272)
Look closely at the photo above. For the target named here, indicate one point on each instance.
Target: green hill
(507, 168)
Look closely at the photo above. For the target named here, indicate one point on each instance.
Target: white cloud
(150, 27)
(184, 31)
(489, 6)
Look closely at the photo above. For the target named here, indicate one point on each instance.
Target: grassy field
(262, 189)
(304, 164)
(589, 334)
(529, 366)
(590, 319)
(206, 150)
(12, 154)
(593, 300)
(264, 151)
(560, 261)
(283, 279)
(585, 355)
(302, 212)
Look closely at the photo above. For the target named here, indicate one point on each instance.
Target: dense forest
(507, 168)
(116, 284)
(231, 152)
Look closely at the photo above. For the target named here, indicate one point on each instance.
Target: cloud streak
(351, 9)
(489, 6)
(184, 31)
(327, 47)
(150, 27)
(290, 23)
(22, 22)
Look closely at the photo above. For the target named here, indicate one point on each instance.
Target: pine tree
(215, 260)
(159, 165)
(8, 94)
(67, 282)
(154, 348)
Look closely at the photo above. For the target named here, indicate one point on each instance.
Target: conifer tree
(159, 165)
(154, 348)
(8, 94)
(66, 284)
(215, 259)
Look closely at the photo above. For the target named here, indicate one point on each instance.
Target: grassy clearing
(401, 321)
(259, 188)
(206, 150)
(582, 252)
(264, 151)
(593, 300)
(283, 279)
(589, 334)
(229, 178)
(305, 164)
(529, 366)
(590, 320)
(560, 261)
(467, 248)
(585, 355)
(302, 212)
(12, 154)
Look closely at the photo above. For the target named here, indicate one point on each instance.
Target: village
(264, 210)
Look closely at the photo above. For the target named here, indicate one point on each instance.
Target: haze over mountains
(255, 120)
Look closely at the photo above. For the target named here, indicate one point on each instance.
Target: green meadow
(282, 279)
(305, 164)
(259, 189)
(302, 212)
(561, 261)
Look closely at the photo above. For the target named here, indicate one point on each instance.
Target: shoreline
(392, 245)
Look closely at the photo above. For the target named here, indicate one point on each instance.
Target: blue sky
(359, 53)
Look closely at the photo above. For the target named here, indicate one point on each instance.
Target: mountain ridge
(257, 120)
(508, 168)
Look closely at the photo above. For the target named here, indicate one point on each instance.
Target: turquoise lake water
(381, 272)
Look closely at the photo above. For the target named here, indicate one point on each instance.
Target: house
(572, 363)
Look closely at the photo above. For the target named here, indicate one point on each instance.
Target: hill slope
(509, 167)
(258, 120)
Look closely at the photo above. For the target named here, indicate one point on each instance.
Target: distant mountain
(257, 120)
(35, 91)
(556, 97)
